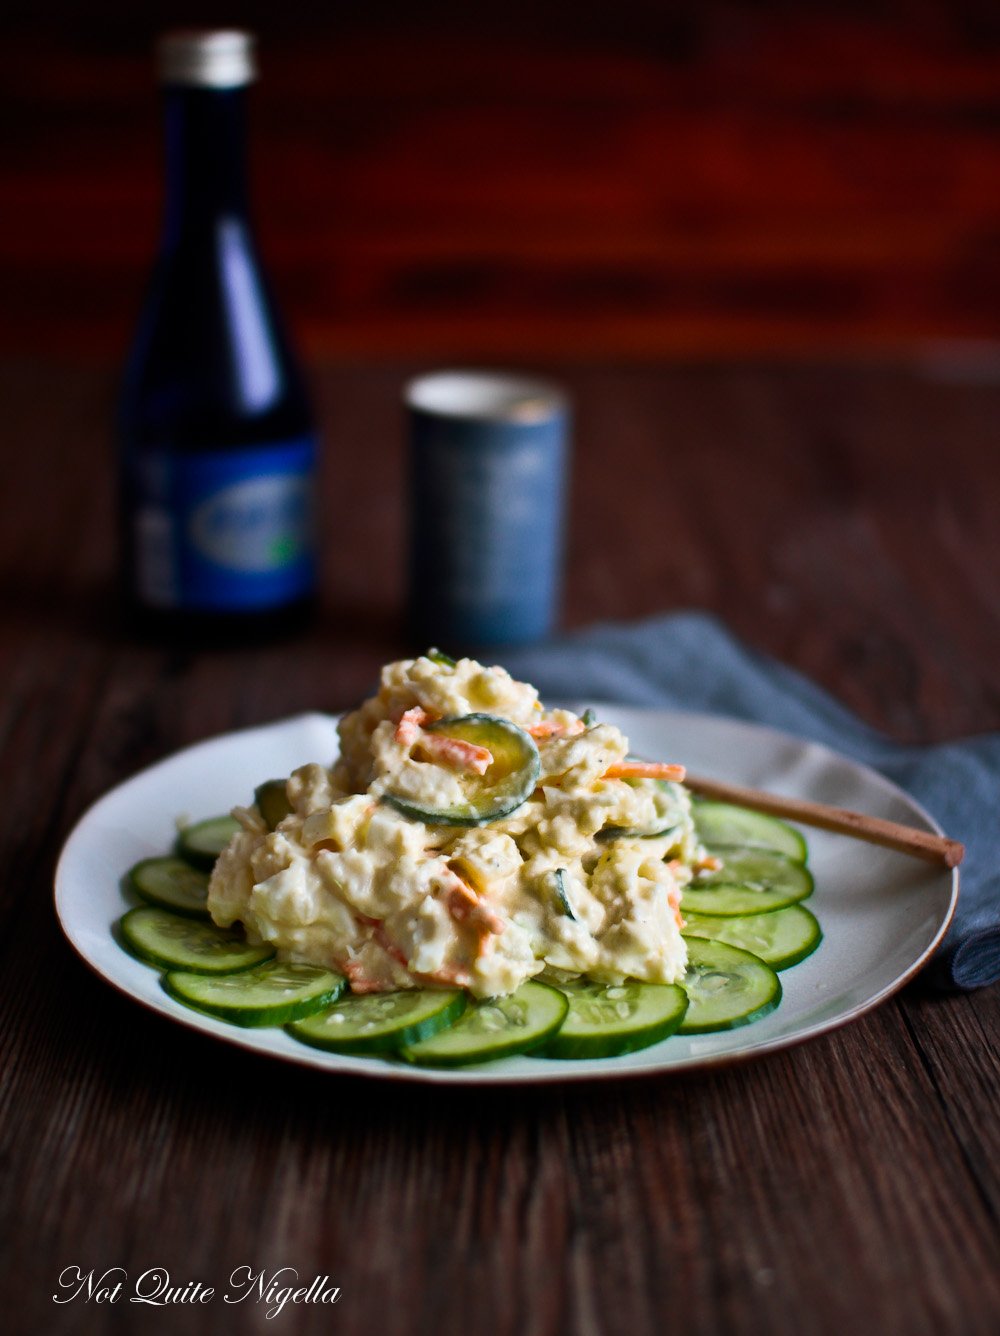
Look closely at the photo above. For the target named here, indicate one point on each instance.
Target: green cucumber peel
(605, 1020)
(438, 656)
(562, 894)
(201, 843)
(380, 1022)
(272, 802)
(172, 941)
(495, 1028)
(509, 781)
(171, 883)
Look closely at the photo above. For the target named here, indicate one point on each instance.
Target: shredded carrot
(485, 937)
(453, 975)
(548, 728)
(457, 753)
(467, 908)
(453, 752)
(389, 947)
(360, 981)
(645, 770)
(461, 901)
(410, 724)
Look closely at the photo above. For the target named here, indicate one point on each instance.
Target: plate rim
(380, 1069)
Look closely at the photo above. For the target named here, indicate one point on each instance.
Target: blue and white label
(226, 530)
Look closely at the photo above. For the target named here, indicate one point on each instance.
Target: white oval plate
(882, 913)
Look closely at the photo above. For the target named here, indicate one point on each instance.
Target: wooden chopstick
(921, 843)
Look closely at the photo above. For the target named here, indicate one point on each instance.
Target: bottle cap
(216, 58)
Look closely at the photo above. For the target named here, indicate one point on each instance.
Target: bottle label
(228, 530)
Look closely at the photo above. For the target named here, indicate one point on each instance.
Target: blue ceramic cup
(488, 456)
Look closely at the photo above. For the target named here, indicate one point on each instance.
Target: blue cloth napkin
(689, 661)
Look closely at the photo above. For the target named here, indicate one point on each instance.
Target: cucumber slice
(381, 1022)
(627, 833)
(562, 894)
(272, 802)
(508, 782)
(495, 1028)
(726, 987)
(667, 808)
(724, 824)
(161, 938)
(202, 843)
(605, 1019)
(269, 994)
(750, 881)
(781, 938)
(171, 883)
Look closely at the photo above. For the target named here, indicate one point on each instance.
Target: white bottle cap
(217, 58)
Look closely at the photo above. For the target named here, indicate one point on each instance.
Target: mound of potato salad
(466, 836)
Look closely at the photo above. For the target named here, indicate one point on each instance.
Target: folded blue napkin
(689, 661)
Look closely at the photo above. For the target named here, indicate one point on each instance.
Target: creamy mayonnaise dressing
(346, 880)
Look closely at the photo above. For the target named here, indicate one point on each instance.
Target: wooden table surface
(844, 519)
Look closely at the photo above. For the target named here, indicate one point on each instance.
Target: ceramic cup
(488, 464)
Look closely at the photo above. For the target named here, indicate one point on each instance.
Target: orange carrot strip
(453, 975)
(410, 723)
(460, 903)
(464, 905)
(389, 947)
(457, 753)
(454, 752)
(548, 728)
(708, 864)
(359, 979)
(645, 770)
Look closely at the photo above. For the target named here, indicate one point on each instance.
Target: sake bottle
(218, 446)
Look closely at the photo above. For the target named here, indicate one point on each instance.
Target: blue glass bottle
(217, 441)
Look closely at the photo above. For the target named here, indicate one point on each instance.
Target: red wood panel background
(630, 178)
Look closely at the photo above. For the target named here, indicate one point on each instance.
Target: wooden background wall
(625, 179)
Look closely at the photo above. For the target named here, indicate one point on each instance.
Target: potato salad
(467, 836)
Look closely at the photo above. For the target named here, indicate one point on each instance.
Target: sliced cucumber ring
(270, 994)
(726, 987)
(171, 942)
(272, 802)
(202, 843)
(606, 1019)
(668, 810)
(628, 833)
(496, 1028)
(781, 938)
(508, 782)
(381, 1022)
(750, 881)
(724, 824)
(171, 883)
